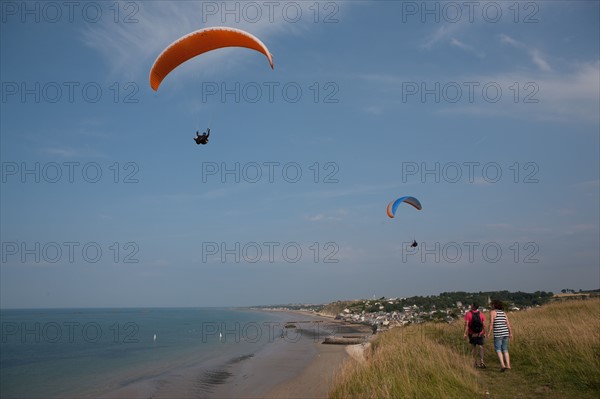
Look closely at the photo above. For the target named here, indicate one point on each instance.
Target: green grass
(555, 353)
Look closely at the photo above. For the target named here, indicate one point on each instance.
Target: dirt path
(513, 384)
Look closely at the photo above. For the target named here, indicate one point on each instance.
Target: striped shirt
(500, 326)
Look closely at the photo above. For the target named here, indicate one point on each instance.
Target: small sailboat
(220, 337)
(154, 337)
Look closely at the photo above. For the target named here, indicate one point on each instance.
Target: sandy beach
(300, 366)
(295, 365)
(316, 378)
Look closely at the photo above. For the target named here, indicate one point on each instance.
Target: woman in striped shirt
(502, 332)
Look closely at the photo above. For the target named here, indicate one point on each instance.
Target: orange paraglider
(199, 42)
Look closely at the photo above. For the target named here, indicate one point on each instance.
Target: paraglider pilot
(414, 244)
(202, 138)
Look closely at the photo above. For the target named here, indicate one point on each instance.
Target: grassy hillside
(555, 353)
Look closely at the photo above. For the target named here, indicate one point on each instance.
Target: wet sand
(316, 379)
(295, 365)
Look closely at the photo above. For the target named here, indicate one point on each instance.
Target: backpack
(476, 324)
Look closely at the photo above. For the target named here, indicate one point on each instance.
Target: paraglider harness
(414, 244)
(202, 139)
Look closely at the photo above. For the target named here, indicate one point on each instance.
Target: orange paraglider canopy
(201, 41)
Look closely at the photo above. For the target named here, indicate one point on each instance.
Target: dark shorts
(475, 340)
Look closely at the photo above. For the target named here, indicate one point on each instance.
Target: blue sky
(489, 118)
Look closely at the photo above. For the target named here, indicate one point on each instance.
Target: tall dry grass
(559, 344)
(555, 346)
(407, 363)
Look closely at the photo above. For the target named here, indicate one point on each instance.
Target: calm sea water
(75, 352)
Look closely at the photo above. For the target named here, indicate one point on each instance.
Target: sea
(97, 352)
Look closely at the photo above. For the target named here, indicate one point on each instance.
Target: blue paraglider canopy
(392, 206)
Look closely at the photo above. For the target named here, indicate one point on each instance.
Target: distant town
(445, 307)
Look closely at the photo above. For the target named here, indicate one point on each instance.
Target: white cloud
(195, 197)
(448, 34)
(354, 254)
(560, 97)
(566, 212)
(480, 181)
(443, 34)
(130, 48)
(71, 152)
(374, 110)
(582, 228)
(467, 48)
(160, 263)
(538, 60)
(499, 225)
(593, 184)
(481, 140)
(335, 216)
(62, 152)
(509, 40)
(356, 190)
(316, 218)
(570, 96)
(535, 54)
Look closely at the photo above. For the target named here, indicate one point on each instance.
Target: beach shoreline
(301, 366)
(293, 364)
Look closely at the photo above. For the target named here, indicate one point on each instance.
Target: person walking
(474, 329)
(500, 325)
